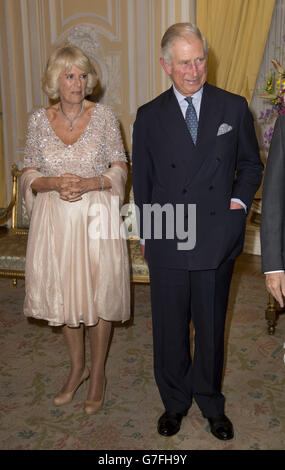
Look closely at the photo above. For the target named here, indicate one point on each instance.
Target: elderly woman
(77, 270)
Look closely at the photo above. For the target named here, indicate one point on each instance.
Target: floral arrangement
(274, 92)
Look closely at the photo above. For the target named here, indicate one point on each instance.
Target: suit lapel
(176, 129)
(210, 115)
(209, 119)
(193, 157)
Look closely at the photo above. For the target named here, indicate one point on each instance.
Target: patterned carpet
(33, 364)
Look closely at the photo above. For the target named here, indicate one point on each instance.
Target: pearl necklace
(75, 117)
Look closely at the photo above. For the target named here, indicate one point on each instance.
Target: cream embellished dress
(77, 267)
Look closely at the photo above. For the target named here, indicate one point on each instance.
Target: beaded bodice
(98, 146)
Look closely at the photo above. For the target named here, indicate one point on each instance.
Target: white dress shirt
(196, 100)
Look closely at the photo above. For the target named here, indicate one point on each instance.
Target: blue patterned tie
(191, 119)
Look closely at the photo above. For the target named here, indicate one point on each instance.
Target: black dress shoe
(221, 427)
(169, 423)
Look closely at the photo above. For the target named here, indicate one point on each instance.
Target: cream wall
(121, 36)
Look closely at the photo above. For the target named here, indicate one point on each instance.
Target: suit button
(218, 159)
(173, 165)
(184, 191)
(211, 187)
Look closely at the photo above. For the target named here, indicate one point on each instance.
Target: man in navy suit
(207, 160)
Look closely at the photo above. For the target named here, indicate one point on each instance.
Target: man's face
(188, 68)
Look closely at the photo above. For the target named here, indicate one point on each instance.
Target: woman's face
(72, 85)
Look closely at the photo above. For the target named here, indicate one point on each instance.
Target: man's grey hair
(180, 31)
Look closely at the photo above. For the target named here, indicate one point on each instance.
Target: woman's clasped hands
(72, 187)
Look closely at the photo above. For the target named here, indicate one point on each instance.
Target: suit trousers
(177, 297)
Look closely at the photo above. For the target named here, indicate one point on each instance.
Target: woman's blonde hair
(63, 58)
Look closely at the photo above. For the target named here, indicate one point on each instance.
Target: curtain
(2, 164)
(275, 49)
(236, 32)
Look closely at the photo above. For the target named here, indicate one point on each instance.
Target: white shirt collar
(196, 96)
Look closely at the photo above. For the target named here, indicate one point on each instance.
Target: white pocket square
(224, 128)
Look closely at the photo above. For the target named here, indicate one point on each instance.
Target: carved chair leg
(271, 314)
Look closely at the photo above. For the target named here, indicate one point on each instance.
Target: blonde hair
(63, 58)
(179, 31)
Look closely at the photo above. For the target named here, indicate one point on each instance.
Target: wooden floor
(250, 263)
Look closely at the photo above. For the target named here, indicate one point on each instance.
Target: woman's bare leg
(99, 336)
(74, 338)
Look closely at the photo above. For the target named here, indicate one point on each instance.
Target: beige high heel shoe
(92, 406)
(63, 398)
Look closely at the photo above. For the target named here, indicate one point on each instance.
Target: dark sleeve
(249, 166)
(272, 217)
